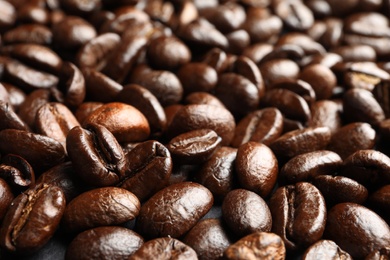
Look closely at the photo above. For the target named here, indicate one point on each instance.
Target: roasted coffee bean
(301, 141)
(55, 120)
(9, 119)
(256, 52)
(382, 253)
(147, 104)
(105, 243)
(379, 201)
(359, 105)
(85, 109)
(100, 207)
(93, 54)
(125, 122)
(237, 93)
(240, 202)
(305, 167)
(164, 248)
(17, 172)
(326, 113)
(6, 196)
(194, 147)
(32, 219)
(351, 138)
(278, 70)
(238, 40)
(197, 77)
(308, 45)
(29, 33)
(8, 15)
(368, 167)
(15, 95)
(28, 109)
(208, 238)
(356, 229)
(192, 117)
(99, 87)
(218, 173)
(149, 169)
(258, 245)
(356, 53)
(40, 151)
(321, 78)
(174, 210)
(299, 214)
(226, 17)
(338, 189)
(263, 126)
(325, 249)
(257, 168)
(294, 14)
(81, 8)
(203, 98)
(300, 87)
(291, 105)
(287, 51)
(96, 155)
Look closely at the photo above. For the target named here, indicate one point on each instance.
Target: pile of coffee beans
(194, 129)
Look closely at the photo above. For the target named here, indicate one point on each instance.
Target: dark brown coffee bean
(361, 106)
(167, 53)
(148, 171)
(203, 98)
(258, 245)
(100, 207)
(338, 189)
(96, 155)
(294, 14)
(30, 106)
(356, 53)
(9, 119)
(163, 84)
(194, 147)
(380, 200)
(299, 214)
(326, 113)
(263, 126)
(356, 229)
(300, 87)
(164, 248)
(325, 249)
(352, 138)
(64, 176)
(286, 51)
(85, 109)
(305, 167)
(125, 122)
(27, 77)
(147, 104)
(72, 32)
(226, 17)
(6, 197)
(8, 15)
(192, 117)
(174, 210)
(40, 151)
(197, 77)
(81, 8)
(208, 238)
(32, 219)
(15, 96)
(217, 174)
(301, 141)
(55, 120)
(93, 54)
(29, 33)
(291, 105)
(321, 78)
(257, 168)
(239, 203)
(380, 254)
(368, 167)
(278, 70)
(105, 243)
(237, 93)
(99, 87)
(308, 45)
(238, 40)
(327, 59)
(17, 172)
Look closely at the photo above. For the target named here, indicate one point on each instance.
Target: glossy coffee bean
(379, 201)
(325, 249)
(6, 198)
(109, 242)
(321, 78)
(174, 210)
(96, 155)
(326, 113)
(218, 173)
(301, 141)
(125, 122)
(149, 166)
(32, 103)
(196, 77)
(85, 109)
(351, 138)
(193, 117)
(258, 245)
(294, 14)
(209, 238)
(257, 168)
(299, 214)
(238, 203)
(164, 248)
(203, 98)
(9, 119)
(100, 207)
(278, 70)
(305, 167)
(17, 172)
(194, 147)
(29, 33)
(32, 219)
(356, 229)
